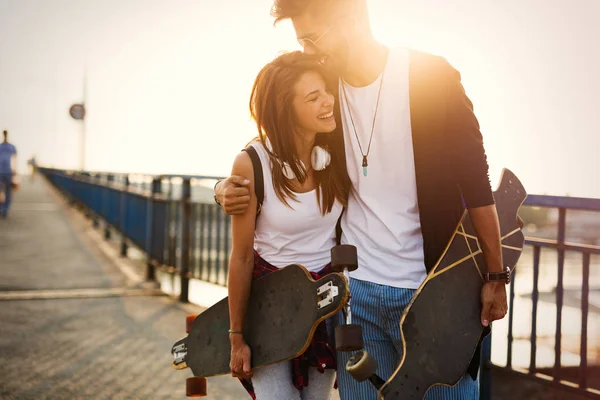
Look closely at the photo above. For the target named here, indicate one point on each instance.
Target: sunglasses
(309, 43)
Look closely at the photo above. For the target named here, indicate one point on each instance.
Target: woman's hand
(240, 357)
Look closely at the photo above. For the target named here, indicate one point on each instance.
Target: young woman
(305, 188)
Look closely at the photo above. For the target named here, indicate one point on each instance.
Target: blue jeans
(6, 187)
(378, 308)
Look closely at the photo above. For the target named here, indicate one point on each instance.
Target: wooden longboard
(283, 312)
(441, 327)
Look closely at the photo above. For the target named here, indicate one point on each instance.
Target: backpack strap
(338, 229)
(259, 184)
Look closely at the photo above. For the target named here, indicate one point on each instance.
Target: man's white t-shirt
(382, 218)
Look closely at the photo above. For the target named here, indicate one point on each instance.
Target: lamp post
(77, 112)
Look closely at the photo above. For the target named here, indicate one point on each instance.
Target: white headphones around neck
(320, 159)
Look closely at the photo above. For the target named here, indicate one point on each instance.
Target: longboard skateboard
(284, 310)
(441, 326)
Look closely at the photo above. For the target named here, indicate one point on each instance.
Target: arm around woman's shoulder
(243, 226)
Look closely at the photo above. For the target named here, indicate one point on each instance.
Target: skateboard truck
(348, 337)
(326, 293)
(179, 354)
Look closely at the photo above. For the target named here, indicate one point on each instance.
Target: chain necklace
(365, 162)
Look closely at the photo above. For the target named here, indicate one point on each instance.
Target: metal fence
(184, 233)
(164, 216)
(570, 378)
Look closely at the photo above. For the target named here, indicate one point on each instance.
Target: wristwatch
(503, 276)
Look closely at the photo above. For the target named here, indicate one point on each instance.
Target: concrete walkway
(73, 326)
(75, 322)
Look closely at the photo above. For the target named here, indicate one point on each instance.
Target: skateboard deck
(441, 327)
(283, 312)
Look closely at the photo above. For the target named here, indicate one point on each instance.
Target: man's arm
(470, 167)
(493, 294)
(13, 161)
(233, 194)
(465, 142)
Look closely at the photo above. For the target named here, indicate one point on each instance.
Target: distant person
(33, 165)
(8, 171)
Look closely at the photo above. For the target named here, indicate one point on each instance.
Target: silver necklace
(365, 162)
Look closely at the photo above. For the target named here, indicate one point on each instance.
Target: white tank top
(297, 235)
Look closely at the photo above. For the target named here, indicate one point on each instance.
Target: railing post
(485, 378)
(186, 212)
(150, 269)
(535, 294)
(96, 221)
(510, 338)
(109, 179)
(585, 294)
(71, 197)
(562, 216)
(87, 210)
(123, 216)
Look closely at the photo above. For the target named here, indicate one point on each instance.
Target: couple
(384, 138)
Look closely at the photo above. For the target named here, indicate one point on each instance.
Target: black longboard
(283, 312)
(441, 326)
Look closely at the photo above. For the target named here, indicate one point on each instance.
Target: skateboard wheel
(344, 256)
(361, 366)
(348, 337)
(189, 320)
(195, 386)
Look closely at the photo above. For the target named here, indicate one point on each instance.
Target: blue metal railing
(164, 216)
(558, 375)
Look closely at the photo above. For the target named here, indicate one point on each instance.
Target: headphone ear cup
(320, 158)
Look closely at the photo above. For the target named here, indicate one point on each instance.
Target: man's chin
(334, 65)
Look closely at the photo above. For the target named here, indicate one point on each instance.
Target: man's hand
(493, 302)
(233, 194)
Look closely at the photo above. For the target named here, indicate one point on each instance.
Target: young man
(8, 165)
(415, 157)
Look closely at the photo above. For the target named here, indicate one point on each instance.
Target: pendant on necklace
(365, 164)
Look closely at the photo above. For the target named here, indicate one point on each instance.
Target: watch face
(77, 111)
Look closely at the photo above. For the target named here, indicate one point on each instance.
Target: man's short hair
(287, 9)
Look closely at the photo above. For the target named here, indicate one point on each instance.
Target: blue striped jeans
(378, 308)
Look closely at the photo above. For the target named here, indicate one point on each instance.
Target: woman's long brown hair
(271, 107)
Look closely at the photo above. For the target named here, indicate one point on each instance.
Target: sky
(168, 82)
